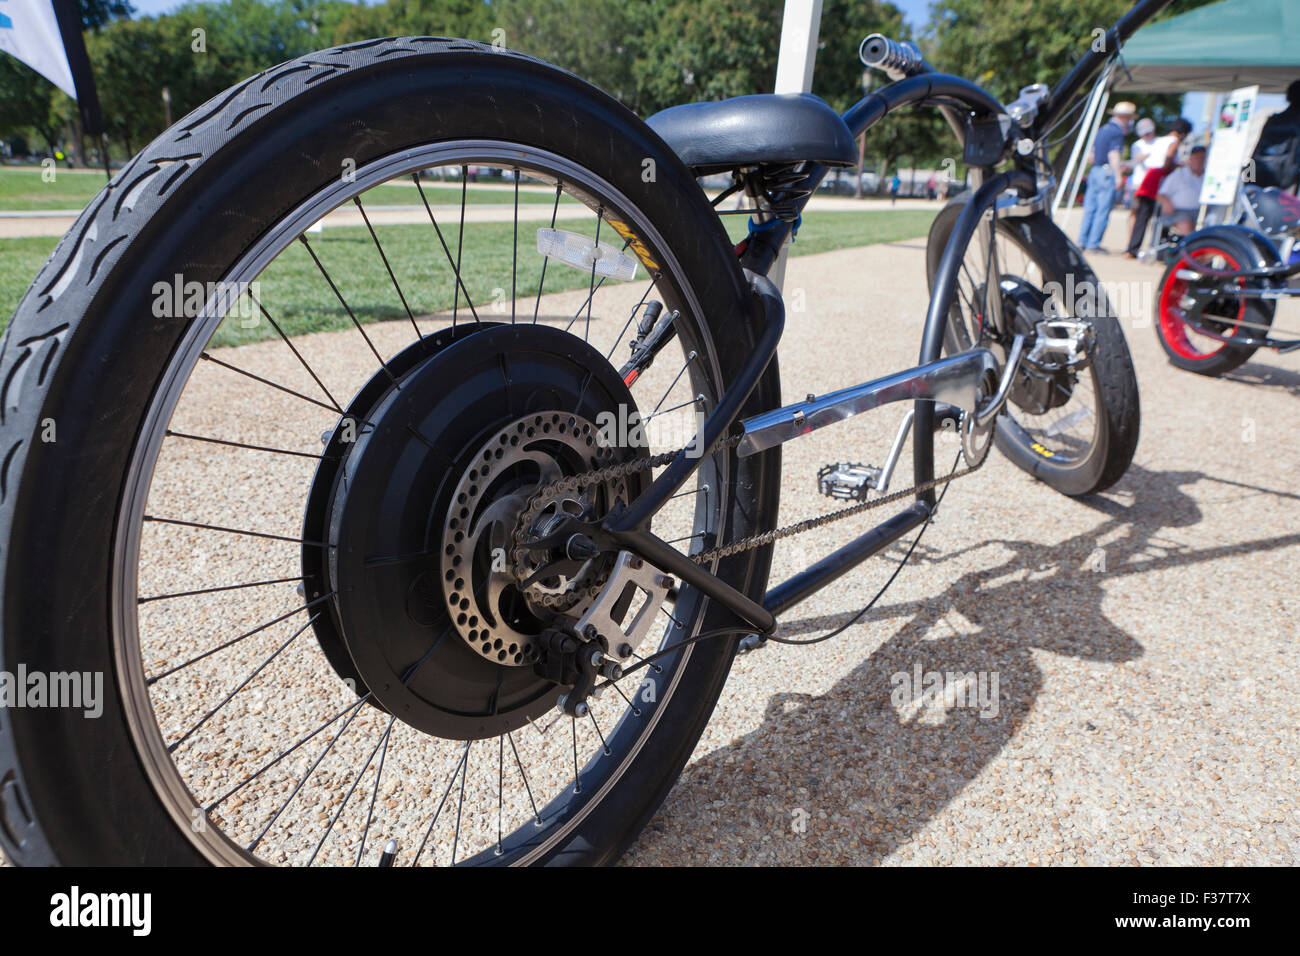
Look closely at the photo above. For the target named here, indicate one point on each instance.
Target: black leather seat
(748, 130)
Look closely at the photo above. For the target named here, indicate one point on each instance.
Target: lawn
(301, 301)
(23, 190)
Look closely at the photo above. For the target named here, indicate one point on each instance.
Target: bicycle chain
(628, 468)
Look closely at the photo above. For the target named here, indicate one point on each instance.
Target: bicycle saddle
(751, 130)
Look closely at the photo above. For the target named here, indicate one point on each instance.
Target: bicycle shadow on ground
(1266, 376)
(871, 773)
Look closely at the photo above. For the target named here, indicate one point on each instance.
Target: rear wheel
(1072, 416)
(1226, 315)
(213, 458)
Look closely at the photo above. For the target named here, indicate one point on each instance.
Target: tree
(28, 101)
(1007, 44)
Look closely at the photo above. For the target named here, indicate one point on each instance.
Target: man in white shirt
(1180, 193)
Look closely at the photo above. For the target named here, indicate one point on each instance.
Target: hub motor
(429, 613)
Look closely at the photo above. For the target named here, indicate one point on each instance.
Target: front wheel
(284, 533)
(1072, 416)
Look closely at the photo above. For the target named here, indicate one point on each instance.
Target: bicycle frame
(961, 102)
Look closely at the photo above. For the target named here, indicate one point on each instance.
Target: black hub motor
(417, 516)
(1037, 388)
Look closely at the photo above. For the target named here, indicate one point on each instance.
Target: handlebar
(897, 59)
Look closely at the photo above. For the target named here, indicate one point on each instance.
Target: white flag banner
(30, 31)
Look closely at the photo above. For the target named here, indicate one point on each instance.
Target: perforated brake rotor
(492, 610)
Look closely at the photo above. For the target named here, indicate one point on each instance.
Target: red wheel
(1229, 316)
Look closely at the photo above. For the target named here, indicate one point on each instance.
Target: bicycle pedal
(847, 481)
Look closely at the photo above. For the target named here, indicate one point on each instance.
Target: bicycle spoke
(441, 803)
(374, 794)
(577, 787)
(310, 770)
(537, 816)
(460, 244)
(628, 324)
(346, 308)
(677, 378)
(559, 186)
(171, 748)
(388, 267)
(501, 784)
(214, 590)
(257, 378)
(459, 284)
(460, 805)
(352, 789)
(310, 371)
(237, 444)
(232, 642)
(591, 712)
(284, 753)
(250, 534)
(514, 253)
(636, 711)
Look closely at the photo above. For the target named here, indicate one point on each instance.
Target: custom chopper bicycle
(1219, 293)
(464, 587)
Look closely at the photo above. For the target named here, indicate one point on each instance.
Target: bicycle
(471, 537)
(1219, 292)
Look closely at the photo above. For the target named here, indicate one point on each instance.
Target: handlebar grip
(897, 58)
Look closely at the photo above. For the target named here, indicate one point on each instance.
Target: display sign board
(1235, 131)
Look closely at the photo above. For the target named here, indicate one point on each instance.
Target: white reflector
(582, 252)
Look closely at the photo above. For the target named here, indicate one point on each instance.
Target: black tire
(1223, 251)
(83, 351)
(1115, 383)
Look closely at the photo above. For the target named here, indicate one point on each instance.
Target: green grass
(301, 302)
(22, 190)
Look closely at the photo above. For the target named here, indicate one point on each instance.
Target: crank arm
(988, 411)
(955, 380)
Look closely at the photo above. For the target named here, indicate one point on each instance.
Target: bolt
(597, 658)
(590, 632)
(580, 709)
(634, 563)
(667, 582)
(625, 650)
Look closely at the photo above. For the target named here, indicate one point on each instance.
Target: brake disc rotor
(492, 613)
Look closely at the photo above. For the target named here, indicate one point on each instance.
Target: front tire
(1078, 445)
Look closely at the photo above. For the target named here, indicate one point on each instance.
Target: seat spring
(785, 188)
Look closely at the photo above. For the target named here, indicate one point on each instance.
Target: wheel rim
(1173, 327)
(592, 776)
(1065, 433)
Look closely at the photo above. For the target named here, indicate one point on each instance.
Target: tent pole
(1095, 109)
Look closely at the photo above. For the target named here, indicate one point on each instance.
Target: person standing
(1161, 160)
(1139, 154)
(1108, 167)
(895, 184)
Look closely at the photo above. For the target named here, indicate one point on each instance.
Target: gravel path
(1144, 709)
